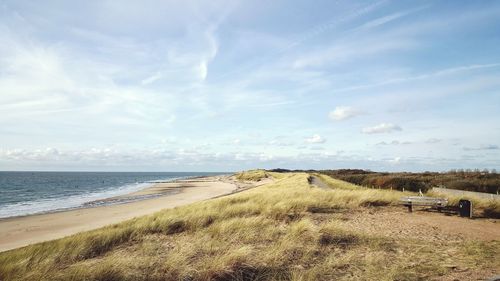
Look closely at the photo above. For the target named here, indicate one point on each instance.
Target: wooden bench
(410, 201)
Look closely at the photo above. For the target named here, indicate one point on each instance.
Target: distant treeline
(469, 180)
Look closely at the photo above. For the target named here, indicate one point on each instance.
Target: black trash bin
(465, 208)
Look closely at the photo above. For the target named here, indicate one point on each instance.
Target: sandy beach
(22, 231)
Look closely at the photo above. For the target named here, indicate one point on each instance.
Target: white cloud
(168, 141)
(382, 128)
(429, 75)
(151, 79)
(109, 158)
(345, 52)
(203, 70)
(277, 142)
(389, 18)
(483, 147)
(316, 139)
(433, 140)
(394, 142)
(317, 148)
(343, 112)
(332, 24)
(395, 160)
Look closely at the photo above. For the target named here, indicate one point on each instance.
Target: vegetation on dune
(285, 230)
(253, 175)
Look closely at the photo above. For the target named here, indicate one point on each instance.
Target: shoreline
(20, 231)
(145, 193)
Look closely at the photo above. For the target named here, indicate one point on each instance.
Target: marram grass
(272, 232)
(253, 175)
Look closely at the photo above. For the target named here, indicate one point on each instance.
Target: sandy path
(22, 231)
(430, 228)
(319, 183)
(456, 192)
(433, 227)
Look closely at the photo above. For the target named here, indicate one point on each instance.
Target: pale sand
(22, 231)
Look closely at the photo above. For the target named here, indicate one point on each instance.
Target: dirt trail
(456, 192)
(428, 226)
(319, 183)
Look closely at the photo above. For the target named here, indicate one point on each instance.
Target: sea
(26, 193)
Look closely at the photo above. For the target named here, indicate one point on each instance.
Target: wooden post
(410, 207)
(470, 215)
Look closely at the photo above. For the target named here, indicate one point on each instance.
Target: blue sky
(233, 85)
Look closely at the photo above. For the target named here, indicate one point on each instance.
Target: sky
(234, 85)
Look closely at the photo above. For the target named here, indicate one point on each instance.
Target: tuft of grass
(253, 175)
(284, 230)
(334, 234)
(492, 209)
(338, 184)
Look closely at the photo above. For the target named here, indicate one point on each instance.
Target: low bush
(468, 181)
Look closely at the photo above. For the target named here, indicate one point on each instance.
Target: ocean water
(24, 193)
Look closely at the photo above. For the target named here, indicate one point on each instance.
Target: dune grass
(286, 230)
(253, 175)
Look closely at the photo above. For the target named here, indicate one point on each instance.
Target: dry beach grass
(283, 230)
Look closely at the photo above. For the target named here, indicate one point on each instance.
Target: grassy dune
(286, 230)
(255, 175)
